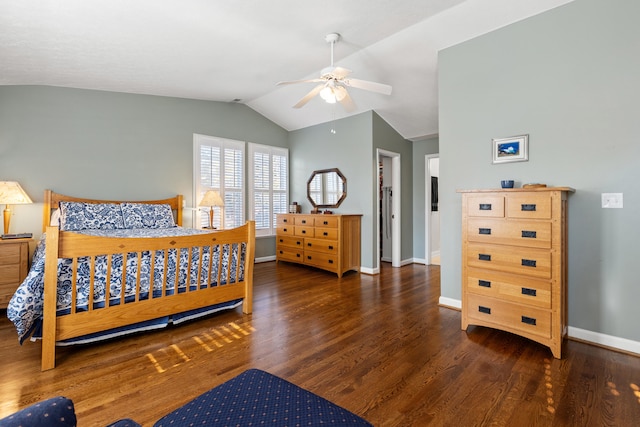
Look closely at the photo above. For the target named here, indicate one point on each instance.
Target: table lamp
(211, 198)
(11, 194)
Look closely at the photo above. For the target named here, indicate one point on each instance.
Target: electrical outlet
(612, 200)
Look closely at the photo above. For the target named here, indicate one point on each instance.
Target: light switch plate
(612, 200)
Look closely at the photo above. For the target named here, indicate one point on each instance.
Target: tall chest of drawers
(330, 242)
(514, 262)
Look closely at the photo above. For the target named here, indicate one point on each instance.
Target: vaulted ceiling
(237, 50)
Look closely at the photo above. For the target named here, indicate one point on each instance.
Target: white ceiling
(223, 50)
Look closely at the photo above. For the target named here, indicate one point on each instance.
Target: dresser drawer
(326, 233)
(529, 205)
(326, 221)
(10, 274)
(287, 253)
(322, 260)
(486, 205)
(532, 234)
(283, 219)
(304, 231)
(321, 245)
(290, 241)
(532, 320)
(527, 261)
(287, 230)
(305, 220)
(518, 289)
(9, 254)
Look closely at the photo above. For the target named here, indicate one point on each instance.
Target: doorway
(388, 208)
(432, 210)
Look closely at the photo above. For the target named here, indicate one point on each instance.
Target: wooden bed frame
(67, 244)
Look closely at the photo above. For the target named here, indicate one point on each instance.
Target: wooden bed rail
(229, 284)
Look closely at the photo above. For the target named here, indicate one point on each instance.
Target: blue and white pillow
(90, 216)
(141, 215)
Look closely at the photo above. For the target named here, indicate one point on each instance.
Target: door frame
(427, 207)
(396, 237)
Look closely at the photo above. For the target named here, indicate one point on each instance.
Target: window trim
(271, 151)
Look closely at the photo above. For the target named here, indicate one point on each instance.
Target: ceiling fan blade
(309, 95)
(341, 73)
(346, 100)
(370, 86)
(291, 82)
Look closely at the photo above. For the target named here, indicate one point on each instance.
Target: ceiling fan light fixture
(329, 95)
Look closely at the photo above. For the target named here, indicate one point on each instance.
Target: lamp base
(7, 219)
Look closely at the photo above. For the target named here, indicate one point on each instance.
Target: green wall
(569, 79)
(421, 149)
(386, 138)
(352, 149)
(112, 145)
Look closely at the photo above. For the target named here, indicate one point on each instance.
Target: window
(219, 165)
(268, 186)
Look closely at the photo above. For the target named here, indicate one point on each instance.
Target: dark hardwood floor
(379, 346)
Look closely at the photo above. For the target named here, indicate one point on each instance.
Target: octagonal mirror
(327, 188)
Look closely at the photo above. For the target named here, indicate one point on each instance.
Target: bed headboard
(52, 200)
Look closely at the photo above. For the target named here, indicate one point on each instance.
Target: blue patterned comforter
(26, 306)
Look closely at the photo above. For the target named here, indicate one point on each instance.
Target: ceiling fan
(334, 82)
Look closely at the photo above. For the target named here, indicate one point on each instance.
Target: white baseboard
(418, 260)
(450, 302)
(605, 340)
(370, 271)
(265, 259)
(596, 338)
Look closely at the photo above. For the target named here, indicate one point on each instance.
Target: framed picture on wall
(512, 149)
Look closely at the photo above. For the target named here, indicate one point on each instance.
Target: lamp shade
(211, 198)
(12, 194)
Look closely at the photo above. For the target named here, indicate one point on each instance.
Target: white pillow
(55, 218)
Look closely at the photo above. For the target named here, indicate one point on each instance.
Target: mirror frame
(344, 187)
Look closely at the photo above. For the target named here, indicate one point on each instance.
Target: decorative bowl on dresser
(14, 266)
(514, 262)
(327, 241)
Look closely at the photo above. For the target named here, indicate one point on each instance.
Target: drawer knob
(281, 252)
(529, 234)
(484, 283)
(485, 206)
(528, 262)
(529, 320)
(529, 291)
(309, 244)
(298, 242)
(308, 256)
(326, 222)
(297, 255)
(528, 207)
(484, 231)
(483, 309)
(330, 261)
(325, 233)
(330, 246)
(285, 230)
(484, 257)
(281, 241)
(304, 231)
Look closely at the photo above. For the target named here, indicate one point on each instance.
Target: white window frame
(198, 189)
(271, 151)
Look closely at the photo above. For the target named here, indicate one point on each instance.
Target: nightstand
(14, 265)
